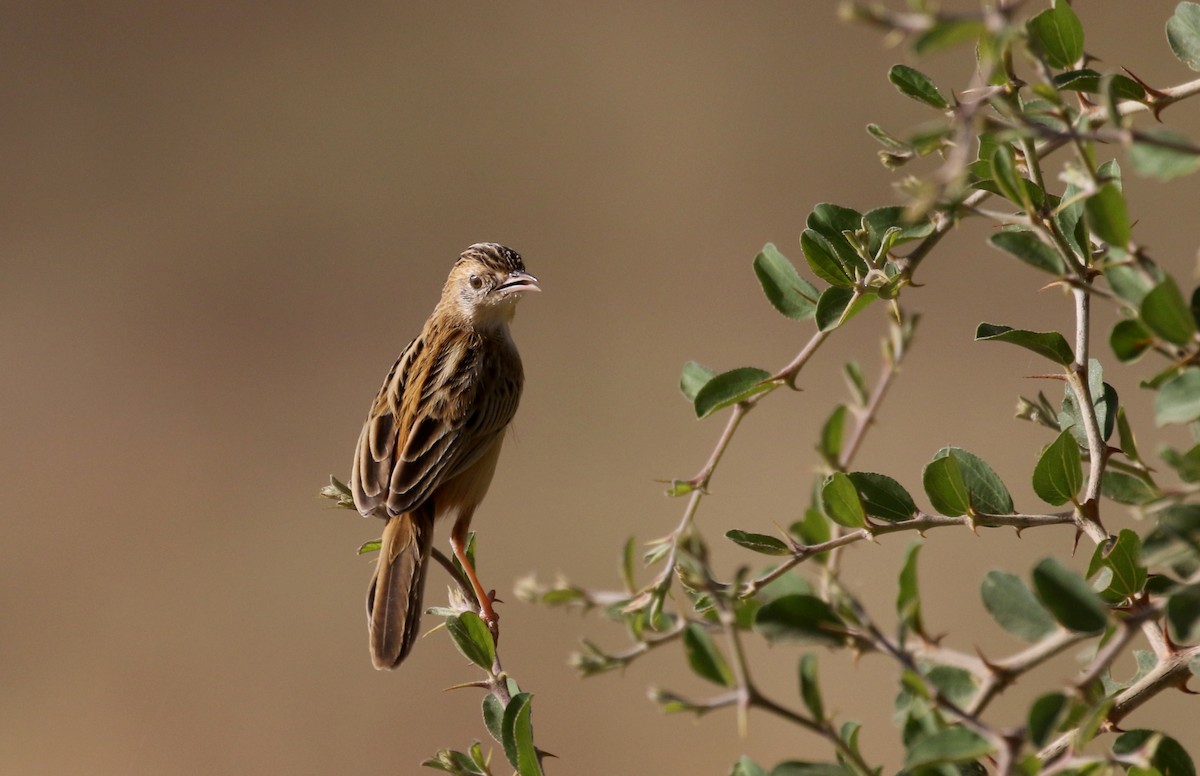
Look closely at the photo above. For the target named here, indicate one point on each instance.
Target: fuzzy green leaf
(1122, 556)
(1029, 249)
(1167, 757)
(1167, 314)
(1048, 344)
(729, 388)
(943, 482)
(1068, 597)
(1058, 35)
(908, 596)
(1014, 607)
(800, 618)
(1183, 615)
(883, 497)
(1159, 153)
(694, 377)
(830, 445)
(1108, 215)
(787, 292)
(1183, 34)
(1178, 399)
(493, 717)
(767, 545)
(952, 745)
(704, 657)
(838, 305)
(913, 83)
(986, 491)
(1059, 471)
(840, 501)
(1045, 717)
(810, 692)
(473, 639)
(1130, 339)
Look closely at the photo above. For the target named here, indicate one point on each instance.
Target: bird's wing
(439, 411)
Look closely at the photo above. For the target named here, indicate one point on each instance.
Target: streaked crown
(494, 256)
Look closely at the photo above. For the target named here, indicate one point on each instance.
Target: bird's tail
(394, 598)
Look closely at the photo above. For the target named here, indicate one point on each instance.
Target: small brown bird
(431, 441)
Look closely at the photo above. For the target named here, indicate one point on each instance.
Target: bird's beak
(519, 283)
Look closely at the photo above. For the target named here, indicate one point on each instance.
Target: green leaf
(1128, 282)
(371, 546)
(1130, 339)
(1029, 249)
(830, 446)
(823, 260)
(1186, 465)
(799, 618)
(1178, 399)
(1127, 489)
(946, 33)
(473, 639)
(518, 736)
(810, 692)
(1059, 471)
(729, 388)
(1183, 34)
(956, 684)
(1104, 400)
(908, 596)
(1058, 35)
(985, 489)
(1122, 556)
(881, 220)
(1008, 179)
(1167, 314)
(801, 768)
(704, 657)
(1125, 438)
(883, 497)
(1183, 615)
(838, 305)
(694, 377)
(787, 292)
(913, 83)
(943, 482)
(1068, 597)
(1108, 216)
(1048, 344)
(454, 762)
(747, 767)
(1014, 607)
(493, 717)
(1168, 757)
(952, 745)
(840, 501)
(832, 222)
(1158, 153)
(1088, 80)
(1045, 716)
(767, 545)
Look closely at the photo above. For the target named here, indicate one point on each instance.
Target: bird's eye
(476, 283)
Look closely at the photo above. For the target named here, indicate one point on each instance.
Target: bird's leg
(458, 542)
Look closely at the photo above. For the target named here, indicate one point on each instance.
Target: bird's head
(487, 281)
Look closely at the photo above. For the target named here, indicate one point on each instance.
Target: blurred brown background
(222, 221)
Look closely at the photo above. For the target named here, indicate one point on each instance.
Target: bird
(429, 446)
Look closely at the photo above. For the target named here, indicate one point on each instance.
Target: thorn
(1075, 545)
(992, 668)
(477, 683)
